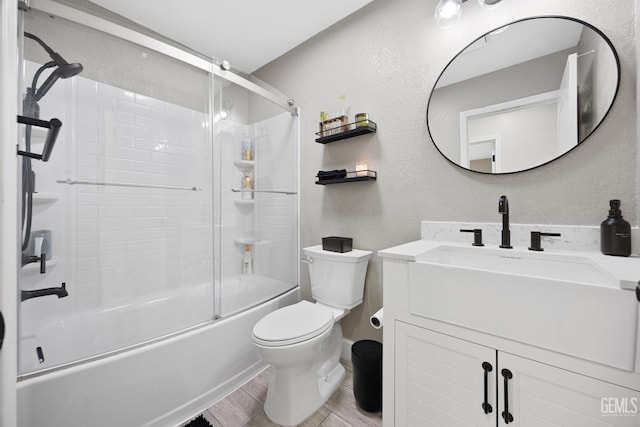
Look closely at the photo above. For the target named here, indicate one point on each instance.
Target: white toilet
(303, 342)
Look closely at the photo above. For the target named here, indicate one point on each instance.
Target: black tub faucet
(60, 292)
(503, 209)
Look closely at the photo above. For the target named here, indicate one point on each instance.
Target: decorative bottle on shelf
(246, 260)
(615, 232)
(247, 154)
(246, 186)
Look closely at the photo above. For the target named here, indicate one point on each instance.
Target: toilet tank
(337, 279)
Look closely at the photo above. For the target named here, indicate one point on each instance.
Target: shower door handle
(1, 330)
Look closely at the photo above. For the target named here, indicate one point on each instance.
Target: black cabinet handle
(506, 416)
(486, 407)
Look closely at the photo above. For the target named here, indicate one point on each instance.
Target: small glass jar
(362, 120)
(246, 149)
(246, 186)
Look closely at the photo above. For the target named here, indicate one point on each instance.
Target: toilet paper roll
(376, 319)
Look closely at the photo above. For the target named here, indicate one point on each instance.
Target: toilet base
(290, 401)
(298, 390)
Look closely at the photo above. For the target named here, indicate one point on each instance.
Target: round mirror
(523, 95)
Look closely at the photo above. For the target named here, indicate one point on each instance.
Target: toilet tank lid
(355, 255)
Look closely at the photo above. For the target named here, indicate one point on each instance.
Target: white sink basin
(556, 266)
(557, 301)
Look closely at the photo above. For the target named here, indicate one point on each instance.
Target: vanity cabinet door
(440, 380)
(540, 395)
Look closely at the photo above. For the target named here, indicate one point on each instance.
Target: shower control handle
(43, 263)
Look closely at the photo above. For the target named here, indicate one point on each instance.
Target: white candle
(361, 169)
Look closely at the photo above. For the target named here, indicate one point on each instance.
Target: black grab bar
(53, 125)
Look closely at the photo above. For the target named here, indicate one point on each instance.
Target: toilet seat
(292, 324)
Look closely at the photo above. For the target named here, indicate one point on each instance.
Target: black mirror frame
(615, 94)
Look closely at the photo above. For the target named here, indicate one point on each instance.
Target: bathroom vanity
(484, 336)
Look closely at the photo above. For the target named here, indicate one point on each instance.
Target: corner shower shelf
(326, 136)
(250, 241)
(42, 198)
(364, 175)
(35, 266)
(244, 202)
(244, 164)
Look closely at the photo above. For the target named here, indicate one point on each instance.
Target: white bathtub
(163, 383)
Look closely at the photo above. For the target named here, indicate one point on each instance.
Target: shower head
(64, 70)
(70, 70)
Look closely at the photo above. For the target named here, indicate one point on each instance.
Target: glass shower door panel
(127, 196)
(257, 144)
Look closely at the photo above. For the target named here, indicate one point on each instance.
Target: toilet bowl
(302, 345)
(303, 342)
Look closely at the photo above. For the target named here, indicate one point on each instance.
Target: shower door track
(126, 184)
(209, 65)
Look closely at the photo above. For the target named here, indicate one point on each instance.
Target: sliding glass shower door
(123, 210)
(170, 199)
(256, 158)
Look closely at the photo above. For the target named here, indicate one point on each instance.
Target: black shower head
(64, 70)
(69, 70)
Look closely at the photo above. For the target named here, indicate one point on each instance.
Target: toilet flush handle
(309, 260)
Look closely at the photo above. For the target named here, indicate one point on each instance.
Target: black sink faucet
(60, 292)
(503, 209)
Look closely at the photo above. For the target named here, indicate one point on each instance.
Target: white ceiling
(247, 33)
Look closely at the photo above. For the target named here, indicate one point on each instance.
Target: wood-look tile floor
(244, 407)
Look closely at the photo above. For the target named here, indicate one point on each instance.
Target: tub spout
(61, 292)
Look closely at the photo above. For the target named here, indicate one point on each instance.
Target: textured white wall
(385, 59)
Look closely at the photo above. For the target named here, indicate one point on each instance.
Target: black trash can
(366, 358)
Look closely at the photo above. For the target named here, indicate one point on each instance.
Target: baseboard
(345, 357)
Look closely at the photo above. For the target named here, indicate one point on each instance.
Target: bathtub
(162, 383)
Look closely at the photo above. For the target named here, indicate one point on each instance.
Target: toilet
(303, 342)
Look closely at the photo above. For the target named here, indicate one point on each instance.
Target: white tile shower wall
(276, 170)
(133, 242)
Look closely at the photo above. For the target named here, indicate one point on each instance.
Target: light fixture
(447, 12)
(227, 105)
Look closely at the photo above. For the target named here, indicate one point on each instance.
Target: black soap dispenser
(615, 232)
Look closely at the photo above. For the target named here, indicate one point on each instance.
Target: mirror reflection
(523, 95)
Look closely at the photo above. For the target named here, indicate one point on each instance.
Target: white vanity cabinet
(446, 344)
(440, 380)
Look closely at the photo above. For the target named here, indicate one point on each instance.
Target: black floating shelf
(325, 137)
(364, 175)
